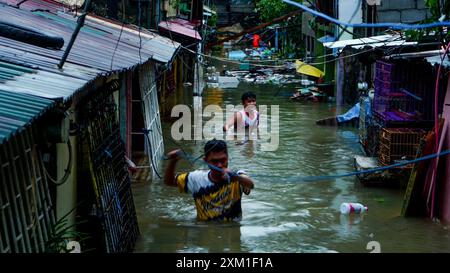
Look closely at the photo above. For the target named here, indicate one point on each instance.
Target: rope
(374, 170)
(328, 177)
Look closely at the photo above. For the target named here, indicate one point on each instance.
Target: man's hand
(246, 182)
(169, 178)
(175, 154)
(243, 179)
(229, 171)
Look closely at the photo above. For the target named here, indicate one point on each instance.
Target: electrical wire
(67, 171)
(173, 43)
(278, 66)
(117, 44)
(283, 66)
(343, 29)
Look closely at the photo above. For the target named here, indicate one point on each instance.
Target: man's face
(217, 159)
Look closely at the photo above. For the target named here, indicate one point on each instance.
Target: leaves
(436, 12)
(271, 9)
(61, 233)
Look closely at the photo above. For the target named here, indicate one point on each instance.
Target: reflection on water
(284, 214)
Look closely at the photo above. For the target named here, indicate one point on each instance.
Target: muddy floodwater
(285, 214)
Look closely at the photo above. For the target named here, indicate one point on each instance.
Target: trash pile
(260, 53)
(256, 76)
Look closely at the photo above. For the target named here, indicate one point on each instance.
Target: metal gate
(154, 144)
(108, 169)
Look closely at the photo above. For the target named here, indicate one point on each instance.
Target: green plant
(212, 22)
(175, 3)
(270, 9)
(61, 234)
(436, 11)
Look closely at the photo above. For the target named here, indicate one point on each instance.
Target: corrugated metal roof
(29, 76)
(96, 51)
(17, 110)
(180, 27)
(374, 42)
(436, 60)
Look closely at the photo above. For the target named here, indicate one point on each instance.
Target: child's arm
(231, 122)
(257, 129)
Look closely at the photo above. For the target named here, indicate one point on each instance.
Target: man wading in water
(217, 192)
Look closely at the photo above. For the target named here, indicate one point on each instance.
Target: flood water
(283, 213)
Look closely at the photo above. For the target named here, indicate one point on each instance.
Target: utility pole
(75, 34)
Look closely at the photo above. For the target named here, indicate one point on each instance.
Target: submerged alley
(333, 115)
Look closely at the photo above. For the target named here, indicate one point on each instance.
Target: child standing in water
(247, 119)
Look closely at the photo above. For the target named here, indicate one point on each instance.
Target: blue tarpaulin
(351, 114)
(326, 39)
(354, 112)
(237, 55)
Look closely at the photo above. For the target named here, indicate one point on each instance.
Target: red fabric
(256, 39)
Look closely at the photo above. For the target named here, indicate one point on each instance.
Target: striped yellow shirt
(213, 201)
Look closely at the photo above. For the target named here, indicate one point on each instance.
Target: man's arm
(169, 177)
(245, 181)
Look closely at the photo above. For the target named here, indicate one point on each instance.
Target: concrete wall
(402, 11)
(349, 11)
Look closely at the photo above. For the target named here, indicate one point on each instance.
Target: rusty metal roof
(181, 27)
(97, 51)
(29, 76)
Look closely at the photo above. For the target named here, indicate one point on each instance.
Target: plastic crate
(401, 135)
(389, 123)
(382, 104)
(398, 144)
(371, 143)
(388, 88)
(384, 66)
(383, 75)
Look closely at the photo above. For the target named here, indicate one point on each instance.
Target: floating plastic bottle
(347, 208)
